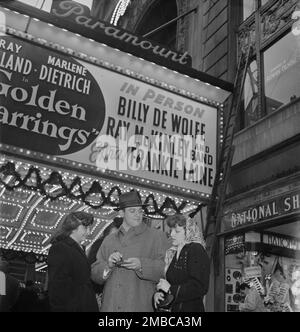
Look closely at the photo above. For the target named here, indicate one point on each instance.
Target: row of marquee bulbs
(106, 184)
(106, 64)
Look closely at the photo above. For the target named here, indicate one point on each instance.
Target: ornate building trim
(246, 36)
(274, 19)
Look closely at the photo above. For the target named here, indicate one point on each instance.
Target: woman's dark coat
(70, 287)
(189, 278)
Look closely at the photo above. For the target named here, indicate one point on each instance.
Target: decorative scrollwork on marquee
(75, 190)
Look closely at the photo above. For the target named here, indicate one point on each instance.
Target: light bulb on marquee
(119, 11)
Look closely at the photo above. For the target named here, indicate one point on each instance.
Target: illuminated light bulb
(119, 11)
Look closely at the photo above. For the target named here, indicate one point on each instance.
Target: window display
(274, 277)
(295, 288)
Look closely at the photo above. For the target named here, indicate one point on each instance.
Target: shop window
(264, 275)
(250, 100)
(272, 268)
(281, 72)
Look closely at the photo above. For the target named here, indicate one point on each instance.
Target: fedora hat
(130, 199)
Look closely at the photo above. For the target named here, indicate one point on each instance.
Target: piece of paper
(2, 283)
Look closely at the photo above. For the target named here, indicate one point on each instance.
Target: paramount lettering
(68, 9)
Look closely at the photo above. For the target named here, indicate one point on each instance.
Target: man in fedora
(131, 261)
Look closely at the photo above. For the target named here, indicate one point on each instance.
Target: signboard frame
(74, 165)
(277, 207)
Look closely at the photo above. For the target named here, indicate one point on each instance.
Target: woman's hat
(130, 199)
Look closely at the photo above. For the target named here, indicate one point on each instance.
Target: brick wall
(215, 38)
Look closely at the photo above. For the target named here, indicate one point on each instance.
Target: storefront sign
(281, 241)
(71, 10)
(48, 102)
(59, 106)
(252, 272)
(280, 206)
(234, 243)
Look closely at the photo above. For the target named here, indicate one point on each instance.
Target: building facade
(261, 224)
(263, 193)
(261, 213)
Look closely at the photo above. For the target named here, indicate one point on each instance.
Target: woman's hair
(176, 219)
(71, 222)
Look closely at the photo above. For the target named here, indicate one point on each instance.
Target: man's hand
(132, 264)
(158, 296)
(114, 258)
(163, 285)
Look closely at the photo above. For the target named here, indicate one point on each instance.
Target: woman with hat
(70, 287)
(131, 261)
(187, 268)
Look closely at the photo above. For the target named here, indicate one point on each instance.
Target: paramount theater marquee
(84, 96)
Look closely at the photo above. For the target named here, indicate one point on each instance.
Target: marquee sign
(60, 106)
(49, 103)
